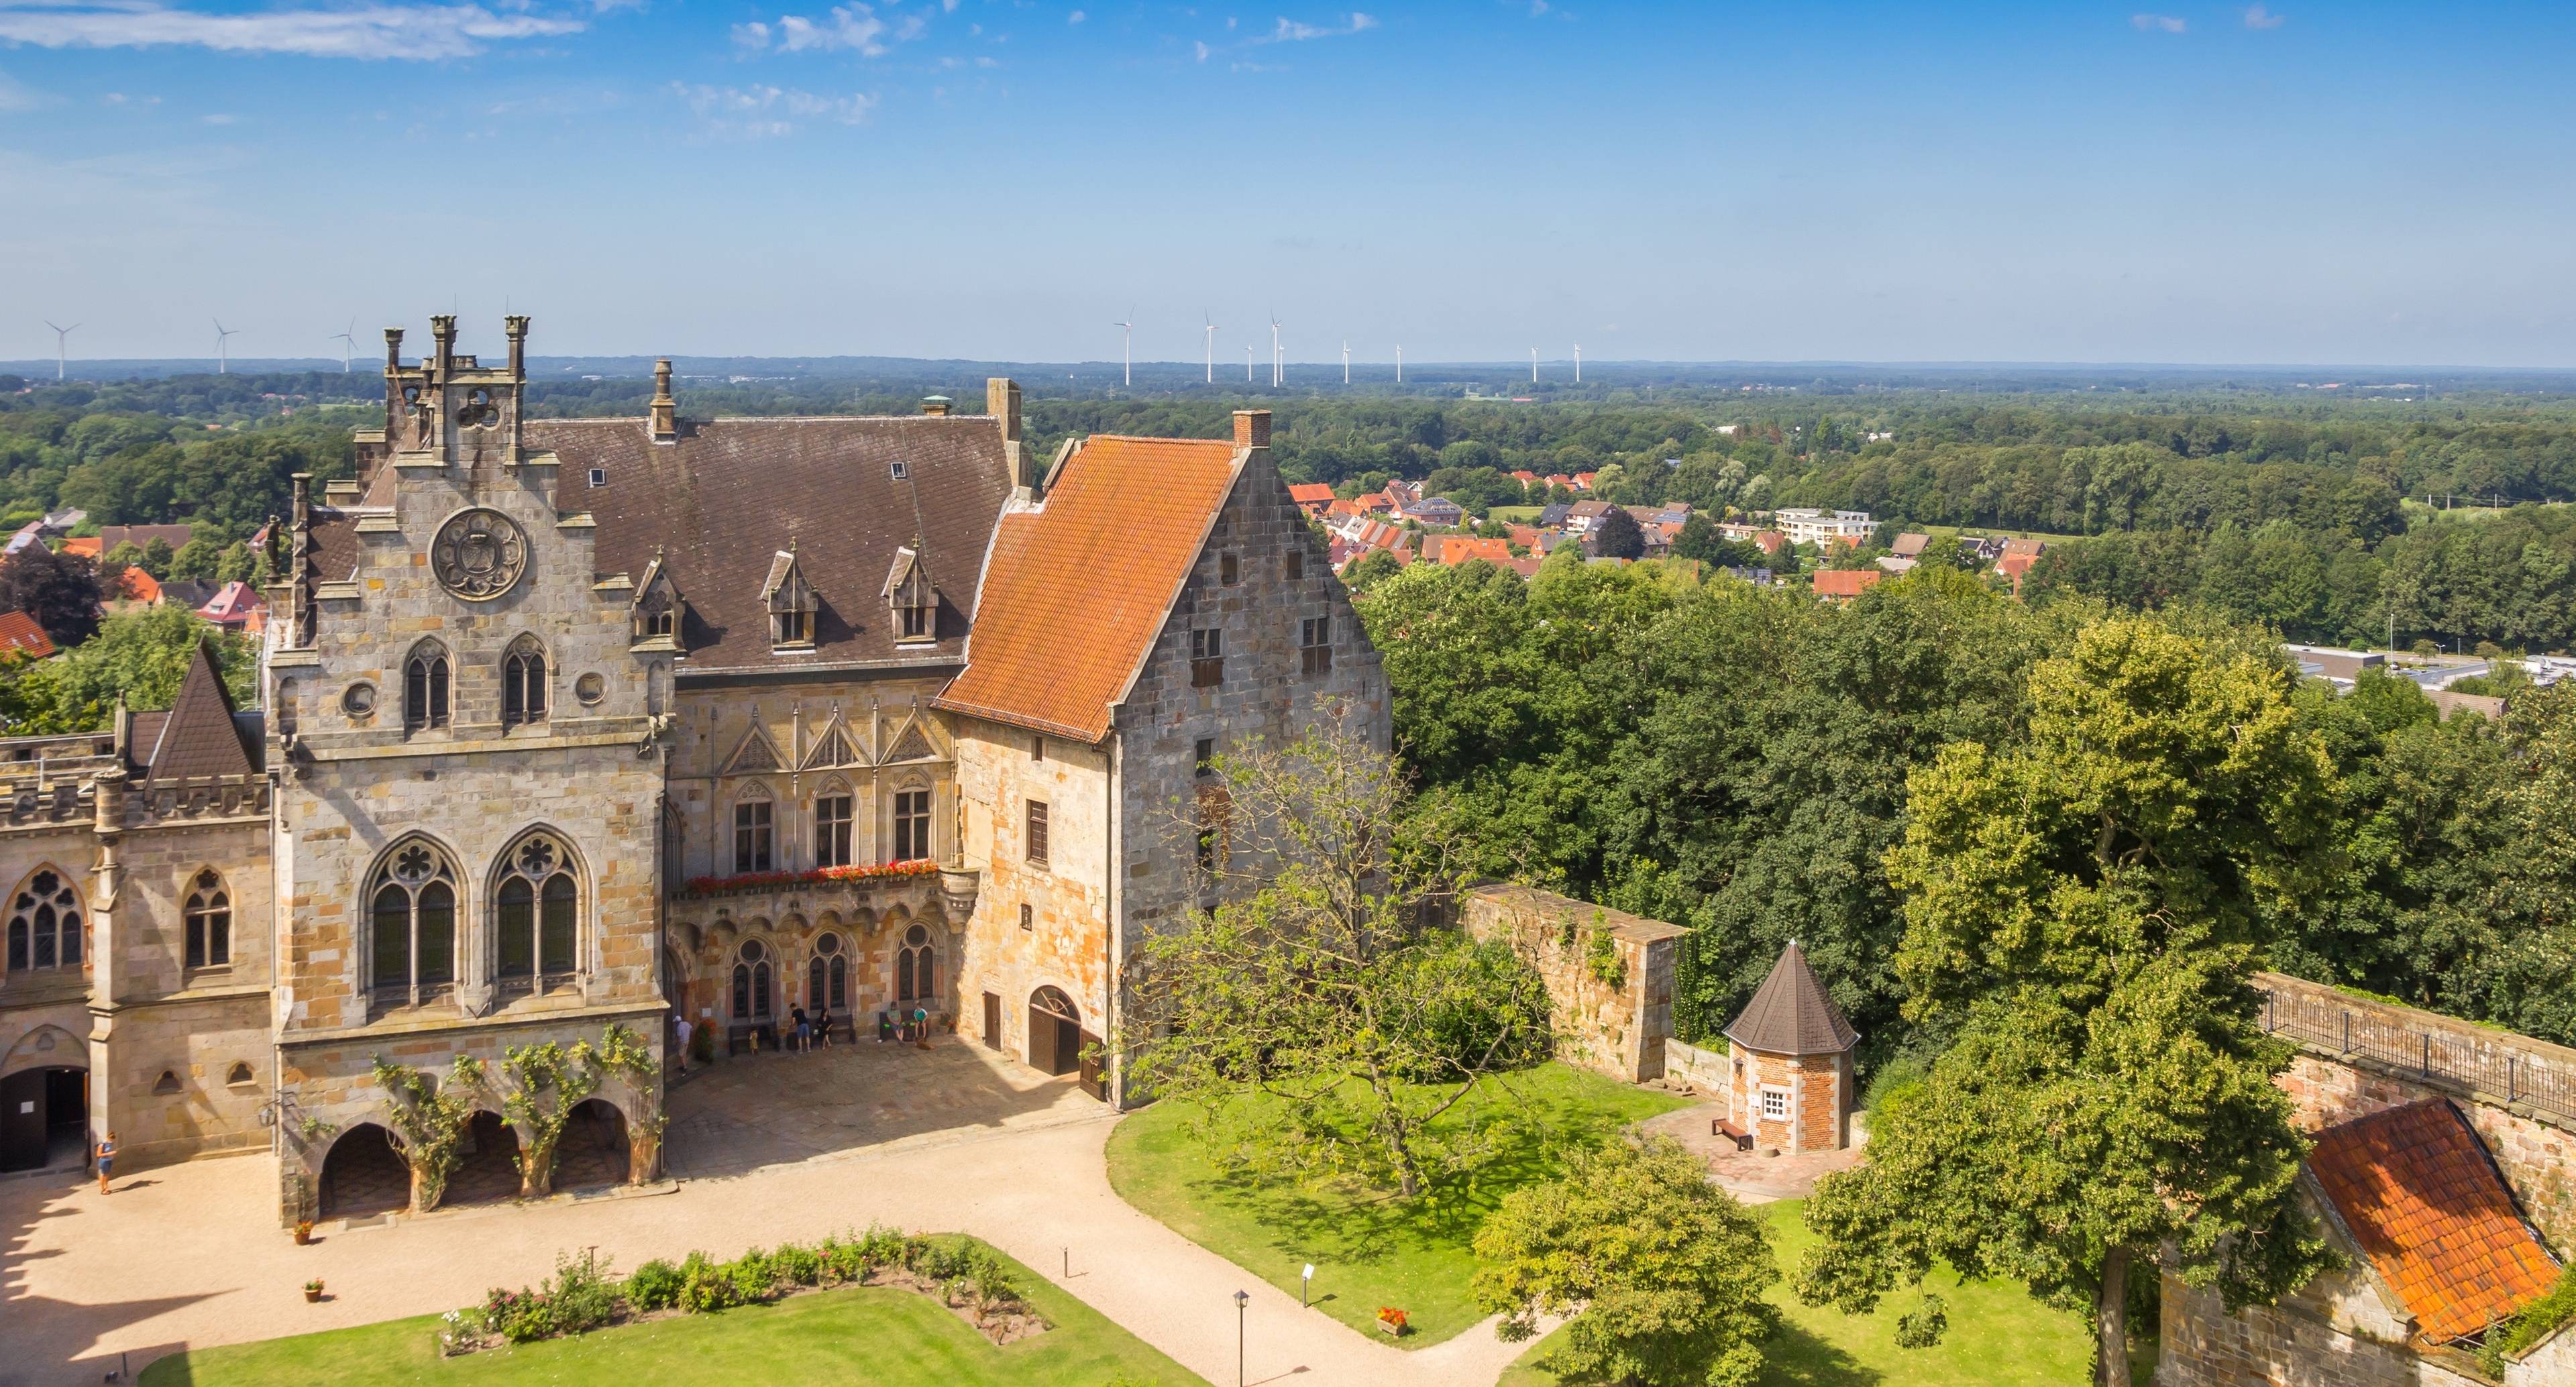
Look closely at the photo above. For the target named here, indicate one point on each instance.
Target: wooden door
(992, 1021)
(22, 1120)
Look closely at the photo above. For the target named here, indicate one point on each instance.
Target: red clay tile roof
(1076, 591)
(86, 546)
(20, 635)
(1311, 493)
(139, 586)
(1457, 549)
(1842, 582)
(2420, 1194)
(140, 536)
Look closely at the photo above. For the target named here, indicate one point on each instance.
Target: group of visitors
(801, 1032)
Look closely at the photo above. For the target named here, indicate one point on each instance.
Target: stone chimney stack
(1002, 401)
(1252, 428)
(934, 406)
(393, 386)
(516, 325)
(666, 411)
(442, 330)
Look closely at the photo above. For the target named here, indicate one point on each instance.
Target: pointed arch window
(538, 908)
(523, 683)
(425, 687)
(754, 831)
(827, 976)
(916, 967)
(209, 915)
(751, 981)
(45, 923)
(411, 909)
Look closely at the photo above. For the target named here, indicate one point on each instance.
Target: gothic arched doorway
(593, 1150)
(364, 1175)
(44, 1118)
(1055, 1032)
(487, 1168)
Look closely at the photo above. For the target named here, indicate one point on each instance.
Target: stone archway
(487, 1168)
(44, 1118)
(363, 1175)
(1055, 1032)
(594, 1149)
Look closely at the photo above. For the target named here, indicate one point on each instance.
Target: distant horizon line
(644, 361)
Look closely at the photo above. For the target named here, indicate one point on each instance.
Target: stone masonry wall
(2328, 1335)
(707, 778)
(1065, 944)
(1617, 1025)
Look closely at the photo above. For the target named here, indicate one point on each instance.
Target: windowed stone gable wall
(1068, 897)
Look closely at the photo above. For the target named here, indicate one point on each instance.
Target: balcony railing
(2495, 1064)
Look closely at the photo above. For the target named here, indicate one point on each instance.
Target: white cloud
(854, 28)
(2259, 17)
(1076, 17)
(218, 118)
(18, 96)
(2159, 23)
(1201, 50)
(377, 31)
(1291, 31)
(759, 110)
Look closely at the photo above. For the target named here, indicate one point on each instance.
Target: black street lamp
(1240, 1299)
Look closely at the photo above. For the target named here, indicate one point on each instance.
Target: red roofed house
(237, 607)
(1844, 584)
(1314, 498)
(20, 635)
(2015, 567)
(1770, 541)
(1583, 480)
(1528, 478)
(136, 587)
(1454, 550)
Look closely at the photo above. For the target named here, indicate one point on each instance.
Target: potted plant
(313, 1290)
(303, 1232)
(1391, 1320)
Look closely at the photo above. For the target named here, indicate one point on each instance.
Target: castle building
(568, 724)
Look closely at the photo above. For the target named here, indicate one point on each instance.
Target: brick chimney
(666, 411)
(935, 406)
(1252, 428)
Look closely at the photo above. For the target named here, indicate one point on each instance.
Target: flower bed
(764, 881)
(963, 1274)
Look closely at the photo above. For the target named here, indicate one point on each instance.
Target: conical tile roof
(199, 737)
(1791, 1015)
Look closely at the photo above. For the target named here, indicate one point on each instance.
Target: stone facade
(464, 704)
(1617, 1018)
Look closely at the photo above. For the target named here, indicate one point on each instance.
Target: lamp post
(1240, 1299)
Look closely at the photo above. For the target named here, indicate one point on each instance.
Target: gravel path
(184, 1256)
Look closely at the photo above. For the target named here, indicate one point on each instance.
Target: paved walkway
(1748, 1175)
(186, 1255)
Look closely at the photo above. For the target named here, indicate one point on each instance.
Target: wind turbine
(1346, 361)
(1247, 363)
(1129, 350)
(1399, 363)
(348, 343)
(1211, 349)
(1278, 367)
(1533, 365)
(223, 362)
(59, 334)
(1578, 363)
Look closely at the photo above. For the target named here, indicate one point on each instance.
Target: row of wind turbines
(1279, 359)
(348, 341)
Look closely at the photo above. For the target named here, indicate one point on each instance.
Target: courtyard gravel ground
(189, 1255)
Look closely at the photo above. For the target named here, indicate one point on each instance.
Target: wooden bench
(1720, 1127)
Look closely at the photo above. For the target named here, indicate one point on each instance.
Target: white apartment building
(1808, 525)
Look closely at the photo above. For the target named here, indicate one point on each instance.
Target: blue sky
(2285, 182)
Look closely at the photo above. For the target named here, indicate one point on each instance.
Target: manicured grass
(1998, 1337)
(1370, 1249)
(865, 1334)
(1513, 514)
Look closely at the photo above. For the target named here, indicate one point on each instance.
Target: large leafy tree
(141, 654)
(59, 590)
(1317, 1018)
(2082, 915)
(1662, 1271)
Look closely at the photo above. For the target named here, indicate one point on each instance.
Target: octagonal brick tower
(1790, 1076)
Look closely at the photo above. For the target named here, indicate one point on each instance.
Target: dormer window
(790, 602)
(912, 600)
(657, 608)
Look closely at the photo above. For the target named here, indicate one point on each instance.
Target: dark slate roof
(200, 735)
(1791, 1015)
(723, 500)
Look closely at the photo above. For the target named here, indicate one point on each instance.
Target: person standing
(680, 1026)
(804, 1029)
(823, 1025)
(106, 1159)
(921, 1028)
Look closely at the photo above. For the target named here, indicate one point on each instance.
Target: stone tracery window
(45, 923)
(425, 687)
(911, 825)
(411, 899)
(209, 914)
(538, 902)
(753, 836)
(523, 683)
(827, 975)
(916, 967)
(833, 816)
(751, 979)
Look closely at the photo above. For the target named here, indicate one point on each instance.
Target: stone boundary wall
(1703, 1068)
(1622, 1030)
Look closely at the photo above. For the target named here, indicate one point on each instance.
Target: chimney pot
(935, 406)
(666, 411)
(1252, 428)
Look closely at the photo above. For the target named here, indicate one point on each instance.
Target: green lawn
(1368, 1249)
(1999, 1336)
(1513, 514)
(866, 1334)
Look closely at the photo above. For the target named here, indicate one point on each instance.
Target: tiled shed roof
(2424, 1200)
(1791, 1015)
(1078, 588)
(20, 635)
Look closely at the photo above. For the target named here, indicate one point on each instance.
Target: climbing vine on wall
(429, 1120)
